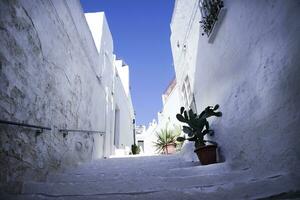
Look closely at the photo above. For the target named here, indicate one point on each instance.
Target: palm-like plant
(165, 137)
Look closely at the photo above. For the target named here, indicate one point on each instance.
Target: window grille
(210, 10)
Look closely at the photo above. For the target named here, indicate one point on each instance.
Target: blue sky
(141, 34)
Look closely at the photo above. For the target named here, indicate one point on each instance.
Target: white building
(249, 64)
(58, 71)
(166, 119)
(146, 138)
(171, 106)
(115, 78)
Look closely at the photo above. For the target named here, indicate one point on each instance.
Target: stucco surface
(48, 69)
(251, 69)
(126, 115)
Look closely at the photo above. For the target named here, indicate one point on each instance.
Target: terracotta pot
(170, 149)
(207, 154)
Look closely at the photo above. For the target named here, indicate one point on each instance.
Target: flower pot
(170, 149)
(207, 154)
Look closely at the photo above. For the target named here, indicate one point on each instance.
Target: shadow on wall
(45, 79)
(256, 80)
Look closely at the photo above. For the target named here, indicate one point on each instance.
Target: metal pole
(25, 125)
(83, 131)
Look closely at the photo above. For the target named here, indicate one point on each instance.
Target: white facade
(123, 108)
(57, 73)
(248, 65)
(148, 137)
(171, 106)
(166, 119)
(115, 79)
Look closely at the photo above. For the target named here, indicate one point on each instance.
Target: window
(117, 127)
(141, 145)
(210, 10)
(184, 96)
(186, 92)
(187, 95)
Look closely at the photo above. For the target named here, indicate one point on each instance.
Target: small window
(210, 10)
(141, 145)
(186, 93)
(184, 96)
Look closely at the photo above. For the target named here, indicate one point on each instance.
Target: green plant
(177, 131)
(165, 137)
(135, 149)
(198, 126)
(211, 9)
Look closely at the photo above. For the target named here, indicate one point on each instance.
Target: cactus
(198, 125)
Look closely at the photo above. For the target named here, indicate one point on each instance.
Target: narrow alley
(165, 99)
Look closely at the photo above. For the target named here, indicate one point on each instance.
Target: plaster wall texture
(251, 69)
(115, 79)
(167, 117)
(123, 72)
(48, 66)
(106, 72)
(123, 75)
(124, 105)
(185, 32)
(148, 136)
(52, 74)
(95, 23)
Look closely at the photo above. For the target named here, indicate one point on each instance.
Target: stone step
(158, 177)
(135, 184)
(229, 187)
(187, 169)
(120, 172)
(116, 163)
(127, 184)
(164, 166)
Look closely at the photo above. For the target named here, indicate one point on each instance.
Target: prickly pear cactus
(198, 126)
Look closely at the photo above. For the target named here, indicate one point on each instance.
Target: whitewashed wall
(115, 79)
(251, 70)
(149, 137)
(165, 119)
(123, 103)
(54, 73)
(185, 33)
(103, 41)
(48, 72)
(171, 106)
(123, 72)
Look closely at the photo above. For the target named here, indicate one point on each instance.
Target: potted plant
(197, 128)
(166, 141)
(135, 149)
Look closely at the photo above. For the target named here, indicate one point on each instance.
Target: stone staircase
(159, 177)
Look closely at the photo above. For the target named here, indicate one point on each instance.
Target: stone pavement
(158, 177)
